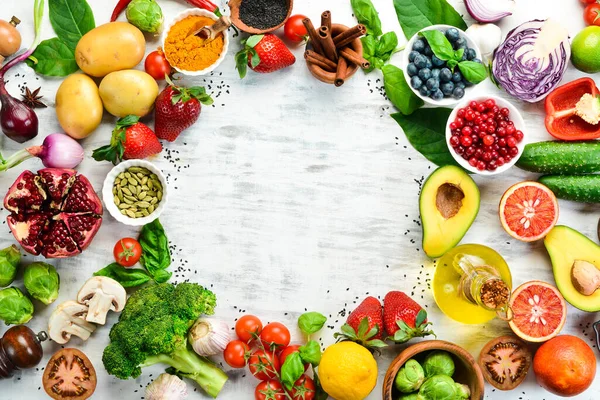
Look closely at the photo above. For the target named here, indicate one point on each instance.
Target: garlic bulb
(487, 37)
(209, 336)
(166, 387)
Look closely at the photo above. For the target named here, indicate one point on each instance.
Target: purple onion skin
(476, 9)
(58, 151)
(18, 121)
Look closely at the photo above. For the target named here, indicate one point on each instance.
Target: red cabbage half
(532, 60)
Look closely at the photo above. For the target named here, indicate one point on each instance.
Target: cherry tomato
(294, 29)
(269, 390)
(127, 252)
(245, 326)
(157, 66)
(304, 389)
(263, 365)
(293, 348)
(275, 336)
(591, 15)
(235, 354)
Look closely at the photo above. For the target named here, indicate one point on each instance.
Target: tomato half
(591, 14)
(246, 326)
(235, 354)
(69, 375)
(127, 252)
(157, 66)
(275, 336)
(293, 348)
(269, 390)
(263, 365)
(294, 30)
(304, 389)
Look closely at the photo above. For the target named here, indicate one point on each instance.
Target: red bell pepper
(562, 122)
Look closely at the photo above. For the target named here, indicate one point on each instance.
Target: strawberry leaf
(255, 58)
(421, 316)
(348, 331)
(253, 40)
(114, 152)
(378, 344)
(374, 331)
(363, 327)
(241, 62)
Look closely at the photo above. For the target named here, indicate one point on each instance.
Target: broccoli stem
(192, 366)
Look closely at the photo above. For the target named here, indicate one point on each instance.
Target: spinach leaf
(425, 130)
(311, 322)
(473, 71)
(441, 47)
(53, 58)
(126, 277)
(415, 15)
(71, 19)
(291, 370)
(367, 15)
(398, 91)
(156, 255)
(386, 46)
(310, 353)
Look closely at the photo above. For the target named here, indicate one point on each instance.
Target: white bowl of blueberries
(430, 77)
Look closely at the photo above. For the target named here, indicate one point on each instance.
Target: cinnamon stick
(313, 35)
(329, 50)
(326, 19)
(319, 60)
(341, 72)
(348, 36)
(355, 58)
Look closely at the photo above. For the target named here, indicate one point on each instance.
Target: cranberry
(467, 131)
(505, 112)
(490, 103)
(470, 123)
(459, 122)
(473, 162)
(453, 125)
(488, 140)
(503, 151)
(507, 159)
(475, 138)
(513, 151)
(519, 136)
(483, 127)
(491, 128)
(454, 141)
(495, 109)
(491, 166)
(481, 107)
(487, 156)
(495, 147)
(473, 105)
(469, 115)
(459, 150)
(470, 150)
(460, 113)
(466, 140)
(495, 155)
(500, 161)
(478, 120)
(511, 141)
(476, 128)
(502, 142)
(478, 152)
(480, 165)
(501, 131)
(510, 129)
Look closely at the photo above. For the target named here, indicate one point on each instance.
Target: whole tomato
(294, 30)
(293, 348)
(269, 390)
(246, 326)
(127, 252)
(157, 66)
(591, 14)
(304, 389)
(235, 354)
(275, 336)
(263, 365)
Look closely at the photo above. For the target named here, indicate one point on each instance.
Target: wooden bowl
(329, 77)
(234, 5)
(467, 370)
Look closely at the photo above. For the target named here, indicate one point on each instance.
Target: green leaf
(376, 344)
(473, 71)
(311, 322)
(291, 370)
(53, 58)
(369, 45)
(310, 353)
(255, 60)
(125, 276)
(425, 129)
(441, 47)
(363, 327)
(348, 331)
(386, 46)
(451, 64)
(162, 276)
(156, 255)
(254, 40)
(421, 317)
(71, 19)
(415, 15)
(241, 63)
(458, 54)
(398, 91)
(366, 14)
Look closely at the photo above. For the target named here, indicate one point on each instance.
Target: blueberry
(471, 54)
(416, 82)
(459, 85)
(428, 51)
(447, 88)
(437, 95)
(460, 43)
(467, 83)
(419, 45)
(425, 74)
(424, 91)
(456, 76)
(452, 35)
(411, 69)
(412, 55)
(464, 56)
(445, 75)
(477, 60)
(437, 62)
(458, 93)
(432, 84)
(420, 61)
(435, 73)
(428, 63)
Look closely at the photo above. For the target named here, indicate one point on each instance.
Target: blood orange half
(528, 211)
(539, 311)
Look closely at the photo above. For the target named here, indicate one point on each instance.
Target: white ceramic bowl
(108, 197)
(446, 101)
(515, 117)
(202, 13)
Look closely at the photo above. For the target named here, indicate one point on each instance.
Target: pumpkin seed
(139, 214)
(159, 194)
(130, 213)
(150, 209)
(126, 191)
(124, 206)
(141, 195)
(142, 204)
(116, 200)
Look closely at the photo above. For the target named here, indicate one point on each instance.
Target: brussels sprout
(462, 391)
(15, 307)
(410, 377)
(145, 15)
(412, 396)
(438, 363)
(42, 282)
(9, 261)
(438, 387)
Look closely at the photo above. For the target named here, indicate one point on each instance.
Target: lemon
(348, 371)
(585, 50)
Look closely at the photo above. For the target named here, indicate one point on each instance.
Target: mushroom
(69, 319)
(101, 294)
(585, 276)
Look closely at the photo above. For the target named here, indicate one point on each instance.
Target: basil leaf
(415, 15)
(53, 58)
(156, 255)
(425, 129)
(386, 46)
(441, 47)
(162, 276)
(369, 48)
(451, 64)
(366, 14)
(126, 277)
(473, 71)
(291, 370)
(398, 91)
(311, 322)
(310, 353)
(71, 19)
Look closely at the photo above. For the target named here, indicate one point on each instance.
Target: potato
(78, 106)
(110, 47)
(128, 92)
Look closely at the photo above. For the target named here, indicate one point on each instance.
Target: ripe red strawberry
(364, 325)
(404, 318)
(263, 53)
(130, 139)
(178, 108)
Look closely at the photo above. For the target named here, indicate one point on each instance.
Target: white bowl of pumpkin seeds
(135, 192)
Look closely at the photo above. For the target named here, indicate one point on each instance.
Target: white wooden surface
(291, 195)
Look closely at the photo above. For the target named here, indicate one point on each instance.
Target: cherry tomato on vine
(591, 15)
(246, 326)
(127, 252)
(293, 348)
(294, 29)
(275, 336)
(263, 365)
(304, 389)
(235, 354)
(269, 390)
(157, 66)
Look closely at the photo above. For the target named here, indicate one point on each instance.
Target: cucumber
(563, 158)
(583, 188)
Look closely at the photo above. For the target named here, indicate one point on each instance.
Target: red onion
(57, 151)
(18, 121)
(489, 10)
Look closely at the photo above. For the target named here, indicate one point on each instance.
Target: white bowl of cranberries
(485, 134)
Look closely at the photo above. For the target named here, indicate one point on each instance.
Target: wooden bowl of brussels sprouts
(432, 369)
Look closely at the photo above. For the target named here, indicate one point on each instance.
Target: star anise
(33, 99)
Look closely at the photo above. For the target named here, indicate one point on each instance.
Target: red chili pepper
(206, 5)
(121, 5)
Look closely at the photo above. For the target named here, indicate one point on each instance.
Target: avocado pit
(585, 277)
(448, 200)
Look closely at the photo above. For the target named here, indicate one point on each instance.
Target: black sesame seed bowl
(261, 16)
(429, 77)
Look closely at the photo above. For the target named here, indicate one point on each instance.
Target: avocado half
(449, 203)
(565, 246)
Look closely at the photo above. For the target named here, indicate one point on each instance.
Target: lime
(586, 50)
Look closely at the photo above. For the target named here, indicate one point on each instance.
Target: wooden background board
(291, 195)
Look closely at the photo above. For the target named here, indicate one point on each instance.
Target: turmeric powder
(189, 52)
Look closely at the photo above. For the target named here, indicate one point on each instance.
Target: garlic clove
(208, 336)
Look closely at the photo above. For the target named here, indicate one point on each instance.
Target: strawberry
(178, 108)
(404, 318)
(364, 325)
(130, 139)
(263, 53)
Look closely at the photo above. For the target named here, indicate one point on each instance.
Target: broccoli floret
(588, 109)
(153, 329)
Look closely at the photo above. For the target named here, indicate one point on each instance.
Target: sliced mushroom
(101, 294)
(69, 319)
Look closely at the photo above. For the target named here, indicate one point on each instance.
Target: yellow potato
(110, 47)
(129, 92)
(78, 106)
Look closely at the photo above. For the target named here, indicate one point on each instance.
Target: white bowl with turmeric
(189, 54)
